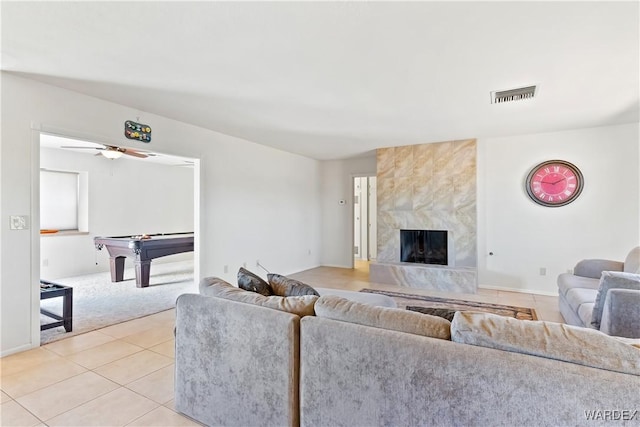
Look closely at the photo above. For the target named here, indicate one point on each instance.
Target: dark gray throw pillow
(252, 282)
(286, 287)
(445, 313)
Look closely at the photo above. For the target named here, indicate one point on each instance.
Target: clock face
(554, 183)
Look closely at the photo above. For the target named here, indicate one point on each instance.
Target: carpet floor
(418, 302)
(97, 302)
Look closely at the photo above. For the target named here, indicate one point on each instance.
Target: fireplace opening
(424, 246)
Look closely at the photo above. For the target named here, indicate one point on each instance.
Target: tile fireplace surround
(421, 276)
(428, 186)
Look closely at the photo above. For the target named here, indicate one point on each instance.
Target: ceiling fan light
(111, 154)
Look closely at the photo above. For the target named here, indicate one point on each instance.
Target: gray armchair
(604, 295)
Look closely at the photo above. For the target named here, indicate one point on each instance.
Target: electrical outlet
(543, 271)
(18, 222)
(226, 268)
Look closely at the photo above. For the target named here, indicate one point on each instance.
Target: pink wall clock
(554, 183)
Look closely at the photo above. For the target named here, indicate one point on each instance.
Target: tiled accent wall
(428, 186)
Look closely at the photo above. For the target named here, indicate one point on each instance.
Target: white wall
(255, 202)
(126, 197)
(603, 222)
(264, 206)
(524, 237)
(337, 219)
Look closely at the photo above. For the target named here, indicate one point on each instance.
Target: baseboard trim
(18, 349)
(521, 291)
(336, 266)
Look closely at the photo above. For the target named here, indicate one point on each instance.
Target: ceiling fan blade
(122, 150)
(127, 151)
(92, 148)
(133, 153)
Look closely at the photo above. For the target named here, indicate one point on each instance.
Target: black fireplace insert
(424, 246)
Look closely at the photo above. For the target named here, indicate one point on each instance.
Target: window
(61, 200)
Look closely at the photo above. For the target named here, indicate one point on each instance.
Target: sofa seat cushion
(362, 297)
(576, 297)
(216, 287)
(550, 340)
(394, 319)
(567, 281)
(585, 312)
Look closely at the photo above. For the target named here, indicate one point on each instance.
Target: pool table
(142, 249)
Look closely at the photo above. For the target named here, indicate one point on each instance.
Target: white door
(357, 217)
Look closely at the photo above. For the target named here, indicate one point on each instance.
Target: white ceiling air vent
(498, 97)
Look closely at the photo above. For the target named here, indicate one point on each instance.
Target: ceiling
(333, 80)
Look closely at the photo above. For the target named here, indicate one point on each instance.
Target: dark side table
(53, 290)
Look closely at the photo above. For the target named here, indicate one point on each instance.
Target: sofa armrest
(594, 267)
(621, 313)
(236, 363)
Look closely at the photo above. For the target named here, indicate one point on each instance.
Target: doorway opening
(364, 222)
(83, 194)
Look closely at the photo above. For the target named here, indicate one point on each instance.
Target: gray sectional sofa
(604, 295)
(240, 361)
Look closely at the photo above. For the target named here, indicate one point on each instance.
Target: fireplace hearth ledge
(425, 276)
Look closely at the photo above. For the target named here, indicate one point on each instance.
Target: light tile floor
(356, 279)
(122, 375)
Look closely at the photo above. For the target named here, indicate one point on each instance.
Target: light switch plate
(18, 222)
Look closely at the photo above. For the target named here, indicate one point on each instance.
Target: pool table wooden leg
(143, 268)
(117, 268)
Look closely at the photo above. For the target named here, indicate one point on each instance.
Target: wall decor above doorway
(137, 131)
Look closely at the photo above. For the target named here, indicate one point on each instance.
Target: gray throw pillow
(287, 287)
(609, 280)
(252, 282)
(433, 311)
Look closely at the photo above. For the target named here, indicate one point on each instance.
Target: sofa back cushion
(609, 280)
(557, 341)
(632, 262)
(216, 287)
(593, 268)
(337, 308)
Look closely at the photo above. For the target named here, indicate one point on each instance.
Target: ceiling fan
(112, 151)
